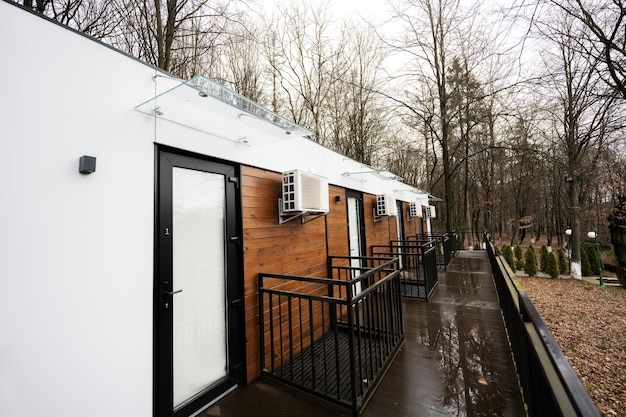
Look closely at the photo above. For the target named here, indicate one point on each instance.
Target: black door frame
(165, 160)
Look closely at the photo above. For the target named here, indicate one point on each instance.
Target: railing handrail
(366, 291)
(343, 283)
(348, 257)
(568, 395)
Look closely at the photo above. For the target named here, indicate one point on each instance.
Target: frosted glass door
(400, 231)
(199, 316)
(354, 236)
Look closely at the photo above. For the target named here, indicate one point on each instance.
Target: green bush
(585, 266)
(530, 262)
(460, 241)
(507, 252)
(551, 268)
(543, 258)
(518, 254)
(592, 256)
(562, 262)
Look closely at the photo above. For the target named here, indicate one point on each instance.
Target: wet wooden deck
(455, 360)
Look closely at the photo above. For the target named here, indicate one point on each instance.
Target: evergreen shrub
(551, 268)
(543, 257)
(518, 253)
(507, 252)
(561, 261)
(530, 262)
(585, 266)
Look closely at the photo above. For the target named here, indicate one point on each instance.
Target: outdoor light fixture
(202, 94)
(87, 164)
(592, 235)
(157, 111)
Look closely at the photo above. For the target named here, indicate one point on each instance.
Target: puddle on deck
(456, 359)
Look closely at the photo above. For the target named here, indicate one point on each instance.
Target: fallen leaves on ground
(589, 323)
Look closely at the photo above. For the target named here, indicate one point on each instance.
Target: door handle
(172, 292)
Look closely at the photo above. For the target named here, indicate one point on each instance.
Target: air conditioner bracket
(304, 216)
(377, 218)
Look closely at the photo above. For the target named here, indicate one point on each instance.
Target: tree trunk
(618, 239)
(574, 208)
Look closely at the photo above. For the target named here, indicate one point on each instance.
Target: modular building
(139, 211)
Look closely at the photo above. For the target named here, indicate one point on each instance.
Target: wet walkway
(455, 360)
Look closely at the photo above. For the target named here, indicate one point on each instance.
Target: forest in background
(513, 115)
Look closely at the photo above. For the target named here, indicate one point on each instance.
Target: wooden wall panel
(380, 232)
(411, 227)
(291, 248)
(336, 223)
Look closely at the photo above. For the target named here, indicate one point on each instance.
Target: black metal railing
(550, 386)
(450, 241)
(469, 239)
(332, 337)
(445, 246)
(417, 263)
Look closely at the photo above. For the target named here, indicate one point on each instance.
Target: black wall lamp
(87, 164)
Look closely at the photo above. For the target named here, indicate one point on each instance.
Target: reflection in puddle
(471, 264)
(466, 282)
(465, 351)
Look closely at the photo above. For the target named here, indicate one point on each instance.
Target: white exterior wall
(76, 251)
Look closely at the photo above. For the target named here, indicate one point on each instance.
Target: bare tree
(430, 27)
(240, 64)
(175, 35)
(404, 157)
(605, 41)
(92, 17)
(355, 99)
(584, 111)
(309, 61)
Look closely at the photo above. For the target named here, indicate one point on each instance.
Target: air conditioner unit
(415, 210)
(304, 192)
(386, 205)
(431, 213)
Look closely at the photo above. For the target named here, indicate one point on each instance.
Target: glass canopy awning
(378, 173)
(187, 105)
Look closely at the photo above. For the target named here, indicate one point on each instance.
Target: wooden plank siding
(411, 227)
(380, 232)
(337, 223)
(291, 248)
(294, 248)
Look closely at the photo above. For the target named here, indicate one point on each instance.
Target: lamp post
(594, 235)
(568, 232)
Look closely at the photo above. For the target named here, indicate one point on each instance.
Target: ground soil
(589, 323)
